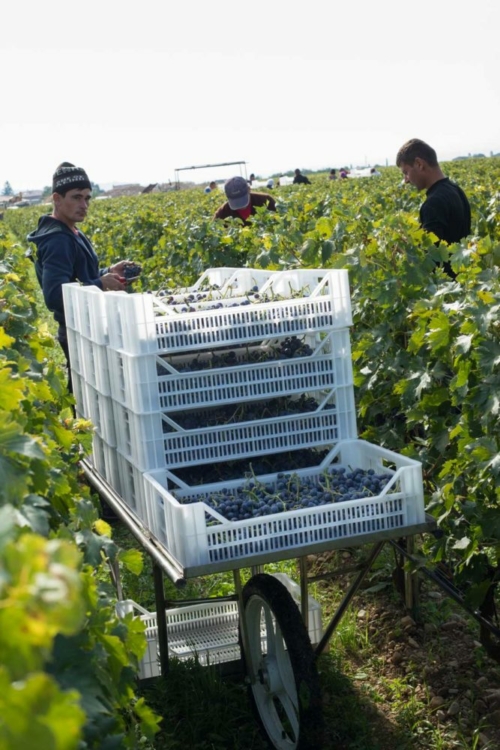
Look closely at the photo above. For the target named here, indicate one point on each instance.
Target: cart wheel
(285, 691)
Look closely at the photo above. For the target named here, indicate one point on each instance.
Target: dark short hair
(416, 149)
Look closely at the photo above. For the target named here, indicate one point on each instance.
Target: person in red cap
(242, 202)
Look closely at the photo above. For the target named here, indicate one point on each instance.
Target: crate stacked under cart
(132, 359)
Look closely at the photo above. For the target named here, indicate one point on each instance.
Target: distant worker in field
(300, 179)
(242, 202)
(64, 254)
(446, 210)
(333, 174)
(211, 186)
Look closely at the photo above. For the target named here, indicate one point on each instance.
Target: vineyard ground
(388, 681)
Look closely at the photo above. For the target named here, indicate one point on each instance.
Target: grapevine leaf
(22, 444)
(132, 559)
(5, 339)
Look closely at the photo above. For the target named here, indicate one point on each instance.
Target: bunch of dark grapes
(185, 303)
(290, 492)
(246, 412)
(288, 348)
(267, 464)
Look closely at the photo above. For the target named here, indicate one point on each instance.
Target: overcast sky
(133, 90)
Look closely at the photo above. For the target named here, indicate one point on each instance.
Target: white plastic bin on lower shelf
(208, 631)
(155, 440)
(148, 382)
(147, 324)
(197, 536)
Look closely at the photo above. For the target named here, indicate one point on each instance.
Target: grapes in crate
(290, 492)
(289, 348)
(246, 412)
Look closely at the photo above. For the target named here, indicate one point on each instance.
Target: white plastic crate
(80, 395)
(121, 475)
(75, 351)
(156, 440)
(129, 482)
(208, 630)
(70, 301)
(95, 365)
(98, 460)
(144, 324)
(148, 382)
(100, 412)
(198, 536)
(85, 311)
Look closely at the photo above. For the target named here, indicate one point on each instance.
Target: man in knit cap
(64, 254)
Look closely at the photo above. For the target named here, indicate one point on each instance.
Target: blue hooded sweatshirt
(62, 256)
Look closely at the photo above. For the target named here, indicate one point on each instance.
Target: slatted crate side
(80, 395)
(85, 311)
(144, 324)
(129, 482)
(208, 631)
(100, 408)
(95, 365)
(156, 439)
(75, 351)
(152, 383)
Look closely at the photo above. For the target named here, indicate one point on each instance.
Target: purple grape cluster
(185, 302)
(288, 348)
(291, 492)
(258, 465)
(245, 412)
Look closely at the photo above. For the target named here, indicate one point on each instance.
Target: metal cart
(127, 357)
(277, 658)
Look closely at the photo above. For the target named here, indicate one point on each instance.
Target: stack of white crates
(150, 370)
(131, 353)
(134, 360)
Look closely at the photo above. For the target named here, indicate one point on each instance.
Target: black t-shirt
(301, 179)
(446, 212)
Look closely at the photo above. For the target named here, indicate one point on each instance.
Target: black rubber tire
(265, 593)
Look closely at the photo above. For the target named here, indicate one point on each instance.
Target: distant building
(32, 196)
(118, 191)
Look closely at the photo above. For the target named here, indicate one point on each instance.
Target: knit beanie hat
(68, 177)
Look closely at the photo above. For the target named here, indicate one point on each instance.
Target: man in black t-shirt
(446, 210)
(300, 179)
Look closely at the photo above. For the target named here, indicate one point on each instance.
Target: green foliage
(426, 349)
(67, 664)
